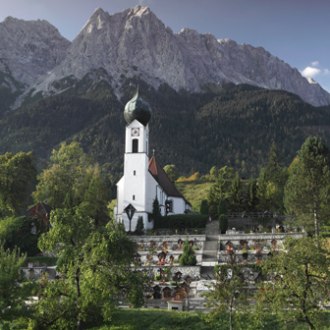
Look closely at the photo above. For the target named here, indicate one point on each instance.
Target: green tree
(204, 208)
(17, 181)
(223, 216)
(228, 294)
(94, 266)
(188, 257)
(11, 290)
(298, 281)
(228, 188)
(139, 230)
(271, 182)
(170, 170)
(307, 190)
(156, 210)
(71, 180)
(236, 192)
(213, 173)
(221, 190)
(252, 199)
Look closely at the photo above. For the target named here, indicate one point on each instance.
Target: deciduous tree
(298, 281)
(307, 190)
(72, 180)
(11, 299)
(17, 181)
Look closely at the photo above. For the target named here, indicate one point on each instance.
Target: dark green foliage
(156, 216)
(271, 182)
(136, 290)
(233, 126)
(223, 223)
(223, 216)
(252, 199)
(152, 319)
(187, 257)
(204, 208)
(11, 299)
(17, 181)
(139, 230)
(182, 221)
(16, 232)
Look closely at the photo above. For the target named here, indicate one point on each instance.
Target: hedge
(181, 221)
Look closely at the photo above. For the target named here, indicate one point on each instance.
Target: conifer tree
(271, 182)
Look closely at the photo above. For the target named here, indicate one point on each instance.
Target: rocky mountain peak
(136, 43)
(30, 49)
(140, 11)
(97, 21)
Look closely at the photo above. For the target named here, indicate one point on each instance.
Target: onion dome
(138, 109)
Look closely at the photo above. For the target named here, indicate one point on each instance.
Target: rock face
(136, 43)
(29, 49)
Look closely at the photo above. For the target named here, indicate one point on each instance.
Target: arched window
(135, 145)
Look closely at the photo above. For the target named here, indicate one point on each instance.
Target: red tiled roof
(161, 177)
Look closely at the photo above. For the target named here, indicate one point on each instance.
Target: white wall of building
(137, 186)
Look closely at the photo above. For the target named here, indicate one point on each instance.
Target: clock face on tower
(135, 132)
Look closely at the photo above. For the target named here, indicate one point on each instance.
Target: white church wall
(136, 165)
(120, 197)
(130, 225)
(179, 205)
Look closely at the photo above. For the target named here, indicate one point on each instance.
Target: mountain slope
(135, 43)
(29, 49)
(234, 125)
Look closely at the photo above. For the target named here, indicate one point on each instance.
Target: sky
(296, 31)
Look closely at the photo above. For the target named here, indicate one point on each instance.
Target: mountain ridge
(135, 43)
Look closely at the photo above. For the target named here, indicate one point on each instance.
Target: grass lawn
(148, 319)
(194, 192)
(135, 319)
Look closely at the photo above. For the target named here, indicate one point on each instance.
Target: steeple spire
(138, 109)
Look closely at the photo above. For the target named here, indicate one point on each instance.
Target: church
(144, 180)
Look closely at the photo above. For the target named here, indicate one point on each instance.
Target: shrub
(192, 178)
(204, 209)
(223, 223)
(188, 257)
(139, 230)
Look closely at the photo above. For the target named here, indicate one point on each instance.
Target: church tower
(132, 189)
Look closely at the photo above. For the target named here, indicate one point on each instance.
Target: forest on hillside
(231, 125)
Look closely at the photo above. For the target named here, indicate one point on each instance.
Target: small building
(144, 180)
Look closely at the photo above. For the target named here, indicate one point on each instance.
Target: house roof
(161, 177)
(39, 209)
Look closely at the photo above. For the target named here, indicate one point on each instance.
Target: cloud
(310, 72)
(314, 69)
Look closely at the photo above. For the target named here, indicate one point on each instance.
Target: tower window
(133, 197)
(134, 172)
(135, 145)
